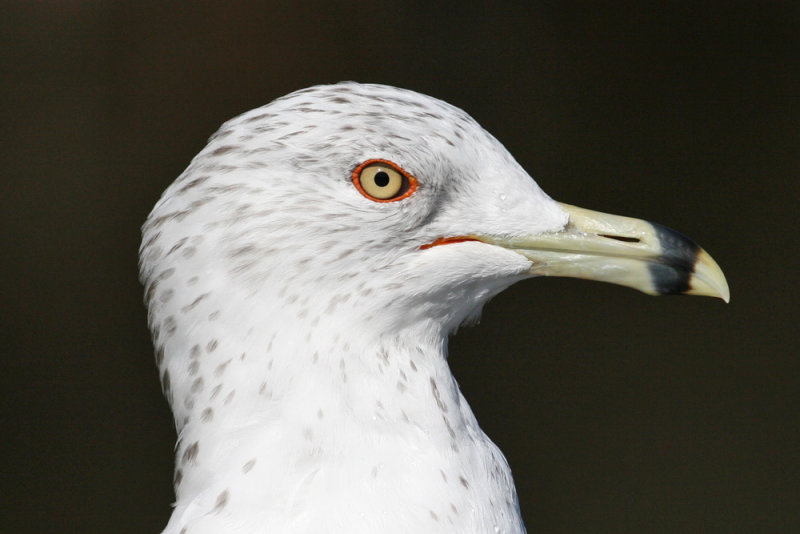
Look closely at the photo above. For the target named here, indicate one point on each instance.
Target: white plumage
(301, 327)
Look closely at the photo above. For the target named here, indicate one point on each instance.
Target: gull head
(381, 206)
(302, 276)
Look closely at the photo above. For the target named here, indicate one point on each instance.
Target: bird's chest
(402, 483)
(392, 448)
(414, 460)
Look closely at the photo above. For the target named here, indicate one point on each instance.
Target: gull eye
(383, 181)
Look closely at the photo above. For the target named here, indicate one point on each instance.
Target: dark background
(617, 412)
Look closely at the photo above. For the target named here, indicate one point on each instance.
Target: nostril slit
(622, 238)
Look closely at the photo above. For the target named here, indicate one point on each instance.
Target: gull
(302, 277)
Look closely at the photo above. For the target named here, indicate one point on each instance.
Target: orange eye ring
(381, 180)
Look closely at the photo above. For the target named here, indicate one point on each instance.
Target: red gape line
(447, 241)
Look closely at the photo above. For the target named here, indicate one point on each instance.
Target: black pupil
(382, 179)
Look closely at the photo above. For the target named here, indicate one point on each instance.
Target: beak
(630, 252)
